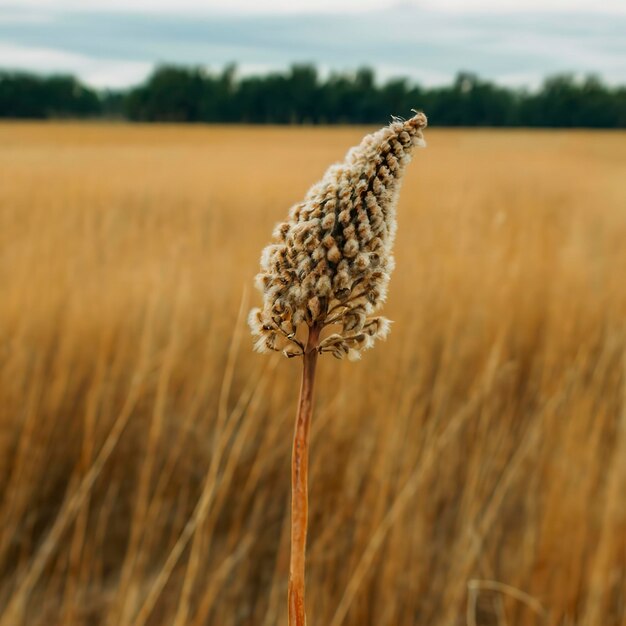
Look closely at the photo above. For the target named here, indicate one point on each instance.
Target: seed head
(331, 260)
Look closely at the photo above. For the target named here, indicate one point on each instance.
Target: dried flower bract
(331, 260)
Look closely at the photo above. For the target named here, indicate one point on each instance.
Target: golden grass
(470, 470)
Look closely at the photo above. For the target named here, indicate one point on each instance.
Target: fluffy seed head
(331, 259)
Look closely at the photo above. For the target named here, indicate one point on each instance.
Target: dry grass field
(469, 471)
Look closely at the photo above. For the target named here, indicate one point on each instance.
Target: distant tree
(28, 96)
(563, 101)
(303, 94)
(171, 94)
(298, 96)
(113, 104)
(226, 109)
(66, 97)
(395, 98)
(470, 101)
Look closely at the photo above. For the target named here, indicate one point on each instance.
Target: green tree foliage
(28, 96)
(300, 96)
(565, 102)
(472, 102)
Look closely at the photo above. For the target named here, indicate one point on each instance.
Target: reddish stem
(299, 481)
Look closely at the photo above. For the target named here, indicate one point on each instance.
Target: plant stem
(299, 481)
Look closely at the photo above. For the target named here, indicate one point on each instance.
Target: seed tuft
(332, 258)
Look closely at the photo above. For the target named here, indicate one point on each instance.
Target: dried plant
(328, 272)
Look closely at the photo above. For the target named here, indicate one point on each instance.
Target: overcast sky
(115, 43)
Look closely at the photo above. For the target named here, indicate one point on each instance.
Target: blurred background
(469, 471)
(482, 62)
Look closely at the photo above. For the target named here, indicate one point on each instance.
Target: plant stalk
(299, 481)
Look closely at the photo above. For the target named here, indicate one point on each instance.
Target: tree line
(300, 96)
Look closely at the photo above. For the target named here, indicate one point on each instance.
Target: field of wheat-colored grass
(470, 470)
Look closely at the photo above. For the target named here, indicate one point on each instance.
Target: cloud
(212, 6)
(284, 7)
(118, 48)
(113, 73)
(564, 7)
